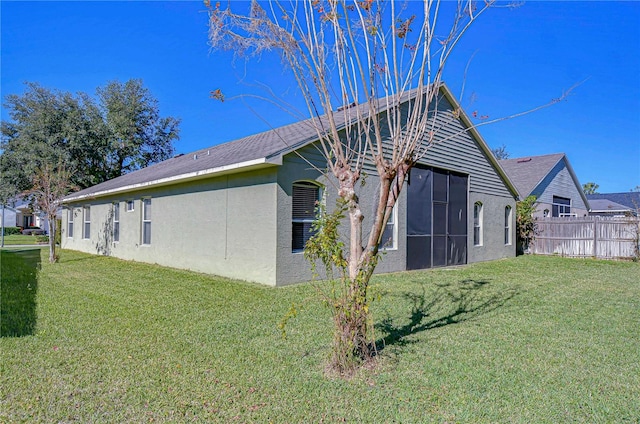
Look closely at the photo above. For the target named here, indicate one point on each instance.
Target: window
(305, 197)
(116, 222)
(561, 206)
(70, 223)
(130, 205)
(146, 221)
(388, 241)
(477, 224)
(507, 225)
(86, 218)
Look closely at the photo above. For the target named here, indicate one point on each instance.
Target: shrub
(42, 239)
(58, 235)
(10, 231)
(525, 223)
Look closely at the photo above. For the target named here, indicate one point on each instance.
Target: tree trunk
(52, 239)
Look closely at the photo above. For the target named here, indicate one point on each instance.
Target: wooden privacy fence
(588, 237)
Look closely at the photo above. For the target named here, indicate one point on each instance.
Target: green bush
(58, 235)
(9, 231)
(42, 239)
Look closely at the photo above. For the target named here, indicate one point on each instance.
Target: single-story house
(8, 217)
(551, 179)
(615, 204)
(243, 209)
(19, 213)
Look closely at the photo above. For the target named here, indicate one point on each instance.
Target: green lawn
(15, 239)
(524, 340)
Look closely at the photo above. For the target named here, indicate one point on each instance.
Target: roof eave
(182, 178)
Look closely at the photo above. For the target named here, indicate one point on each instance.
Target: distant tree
(43, 129)
(49, 185)
(137, 135)
(501, 152)
(590, 188)
(96, 140)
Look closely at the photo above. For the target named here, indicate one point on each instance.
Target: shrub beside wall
(9, 231)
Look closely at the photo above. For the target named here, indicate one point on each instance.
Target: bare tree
(50, 185)
(370, 72)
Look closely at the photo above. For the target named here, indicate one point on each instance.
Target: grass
(529, 339)
(19, 239)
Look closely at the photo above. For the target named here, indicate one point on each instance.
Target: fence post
(595, 236)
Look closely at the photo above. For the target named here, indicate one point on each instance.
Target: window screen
(304, 199)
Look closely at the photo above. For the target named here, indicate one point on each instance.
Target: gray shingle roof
(267, 146)
(263, 149)
(527, 172)
(630, 199)
(600, 205)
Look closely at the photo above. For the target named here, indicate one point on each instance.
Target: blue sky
(523, 58)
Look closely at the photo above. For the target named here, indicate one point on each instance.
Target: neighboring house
(19, 213)
(615, 204)
(551, 179)
(8, 217)
(244, 209)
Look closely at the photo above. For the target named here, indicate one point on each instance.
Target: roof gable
(527, 173)
(532, 174)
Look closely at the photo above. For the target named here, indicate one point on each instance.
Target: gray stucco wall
(493, 228)
(224, 226)
(292, 266)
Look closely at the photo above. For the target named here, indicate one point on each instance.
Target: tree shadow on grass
(19, 280)
(446, 304)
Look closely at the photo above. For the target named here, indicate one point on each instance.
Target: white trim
(180, 178)
(480, 241)
(143, 211)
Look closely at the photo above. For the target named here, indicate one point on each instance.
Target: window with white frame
(86, 219)
(389, 236)
(130, 205)
(116, 222)
(305, 197)
(477, 224)
(70, 223)
(507, 225)
(146, 221)
(561, 206)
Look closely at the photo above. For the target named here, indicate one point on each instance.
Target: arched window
(477, 224)
(507, 225)
(304, 200)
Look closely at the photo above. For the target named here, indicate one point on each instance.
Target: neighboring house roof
(630, 199)
(528, 173)
(252, 152)
(605, 205)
